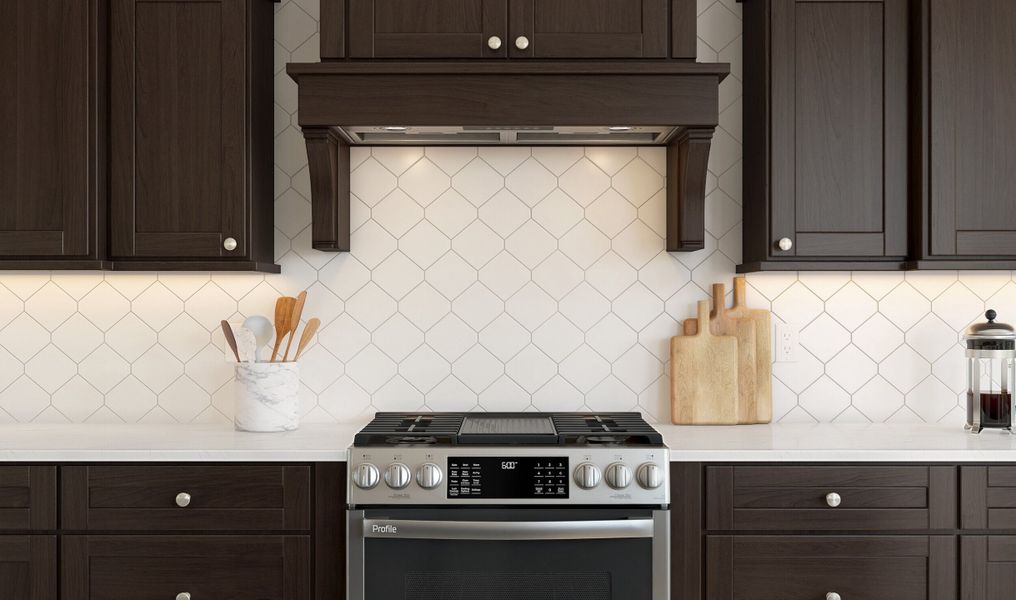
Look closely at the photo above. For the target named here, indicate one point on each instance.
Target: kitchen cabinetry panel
(217, 498)
(28, 567)
(811, 567)
(27, 497)
(972, 149)
(433, 29)
(825, 133)
(589, 28)
(190, 149)
(830, 498)
(50, 152)
(160, 567)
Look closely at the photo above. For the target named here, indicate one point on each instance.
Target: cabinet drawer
(27, 497)
(830, 498)
(989, 497)
(223, 498)
(161, 567)
(810, 567)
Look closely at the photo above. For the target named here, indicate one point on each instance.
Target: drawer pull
(833, 500)
(829, 596)
(186, 596)
(183, 501)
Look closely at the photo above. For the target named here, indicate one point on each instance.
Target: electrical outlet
(786, 342)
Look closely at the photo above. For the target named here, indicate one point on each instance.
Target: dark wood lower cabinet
(988, 567)
(815, 567)
(28, 567)
(160, 567)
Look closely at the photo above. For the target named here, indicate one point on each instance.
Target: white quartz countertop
(320, 443)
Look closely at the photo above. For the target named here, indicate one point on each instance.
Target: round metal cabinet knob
(429, 476)
(522, 42)
(229, 244)
(649, 476)
(618, 476)
(398, 476)
(366, 476)
(785, 244)
(587, 476)
(832, 596)
(494, 42)
(183, 499)
(833, 499)
(183, 596)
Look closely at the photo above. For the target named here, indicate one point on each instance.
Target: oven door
(508, 554)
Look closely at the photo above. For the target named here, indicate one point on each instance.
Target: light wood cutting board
(704, 379)
(744, 331)
(762, 323)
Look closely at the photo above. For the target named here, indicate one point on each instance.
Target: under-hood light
(395, 128)
(620, 128)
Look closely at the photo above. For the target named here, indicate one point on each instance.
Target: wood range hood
(620, 102)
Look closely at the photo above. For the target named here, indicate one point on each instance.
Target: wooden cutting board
(704, 378)
(744, 331)
(761, 410)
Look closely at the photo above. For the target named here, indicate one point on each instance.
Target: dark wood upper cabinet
(509, 29)
(825, 174)
(588, 28)
(966, 157)
(190, 127)
(51, 148)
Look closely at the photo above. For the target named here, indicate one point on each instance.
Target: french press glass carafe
(991, 370)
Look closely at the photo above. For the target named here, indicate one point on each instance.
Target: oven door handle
(508, 530)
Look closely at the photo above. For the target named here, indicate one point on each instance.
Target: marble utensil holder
(267, 396)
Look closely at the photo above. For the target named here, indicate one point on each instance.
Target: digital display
(508, 478)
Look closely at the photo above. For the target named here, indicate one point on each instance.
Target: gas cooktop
(508, 429)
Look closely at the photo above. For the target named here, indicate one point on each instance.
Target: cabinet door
(987, 567)
(431, 29)
(588, 28)
(161, 567)
(838, 127)
(28, 567)
(48, 117)
(178, 105)
(972, 168)
(814, 567)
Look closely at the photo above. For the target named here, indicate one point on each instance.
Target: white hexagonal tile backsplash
(500, 278)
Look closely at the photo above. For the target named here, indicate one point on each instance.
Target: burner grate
(410, 428)
(603, 428)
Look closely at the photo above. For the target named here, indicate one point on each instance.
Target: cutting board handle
(740, 292)
(719, 300)
(703, 318)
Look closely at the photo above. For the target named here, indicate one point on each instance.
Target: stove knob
(366, 476)
(429, 476)
(587, 476)
(398, 476)
(649, 476)
(618, 476)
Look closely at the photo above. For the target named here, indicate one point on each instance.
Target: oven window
(413, 569)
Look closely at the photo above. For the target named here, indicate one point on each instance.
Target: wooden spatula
(294, 321)
(308, 334)
(283, 312)
(703, 376)
(230, 339)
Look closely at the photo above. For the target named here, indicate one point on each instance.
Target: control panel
(507, 478)
(424, 476)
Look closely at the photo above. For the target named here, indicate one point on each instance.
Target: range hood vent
(494, 135)
(672, 103)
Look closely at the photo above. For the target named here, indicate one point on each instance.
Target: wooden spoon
(294, 321)
(283, 312)
(230, 339)
(308, 333)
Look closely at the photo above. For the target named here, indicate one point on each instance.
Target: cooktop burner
(469, 429)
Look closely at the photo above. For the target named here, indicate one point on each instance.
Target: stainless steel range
(514, 506)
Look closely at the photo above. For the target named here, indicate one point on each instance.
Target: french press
(991, 372)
